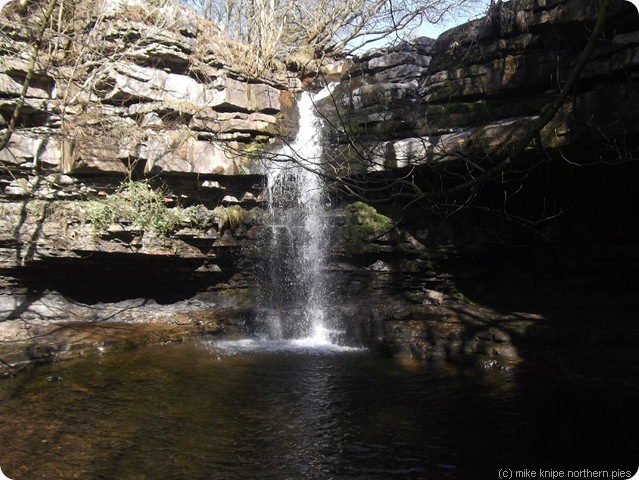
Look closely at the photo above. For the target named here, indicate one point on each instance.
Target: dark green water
(198, 411)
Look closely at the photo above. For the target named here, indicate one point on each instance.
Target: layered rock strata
(128, 186)
(481, 85)
(156, 108)
(541, 266)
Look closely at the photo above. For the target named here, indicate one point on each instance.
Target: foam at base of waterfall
(302, 345)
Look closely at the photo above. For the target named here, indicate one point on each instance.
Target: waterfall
(293, 299)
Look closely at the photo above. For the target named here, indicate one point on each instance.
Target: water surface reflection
(205, 411)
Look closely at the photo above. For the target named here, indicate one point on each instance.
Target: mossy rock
(367, 226)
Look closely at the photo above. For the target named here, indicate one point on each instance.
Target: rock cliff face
(127, 185)
(161, 107)
(155, 93)
(559, 247)
(482, 83)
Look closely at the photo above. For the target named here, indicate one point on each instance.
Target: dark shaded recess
(585, 252)
(556, 233)
(29, 117)
(113, 277)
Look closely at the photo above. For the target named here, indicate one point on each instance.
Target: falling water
(294, 293)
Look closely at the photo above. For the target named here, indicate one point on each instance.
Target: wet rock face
(151, 109)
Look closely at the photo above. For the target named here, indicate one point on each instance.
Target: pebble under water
(206, 410)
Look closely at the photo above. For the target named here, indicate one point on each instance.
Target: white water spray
(294, 298)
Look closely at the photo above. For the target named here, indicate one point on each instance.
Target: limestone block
(98, 162)
(408, 151)
(172, 153)
(400, 74)
(128, 81)
(176, 17)
(162, 108)
(158, 43)
(12, 86)
(151, 119)
(49, 187)
(617, 63)
(185, 19)
(256, 97)
(37, 112)
(394, 59)
(473, 80)
(159, 53)
(224, 122)
(125, 82)
(335, 70)
(30, 148)
(104, 154)
(421, 150)
(382, 94)
(415, 53)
